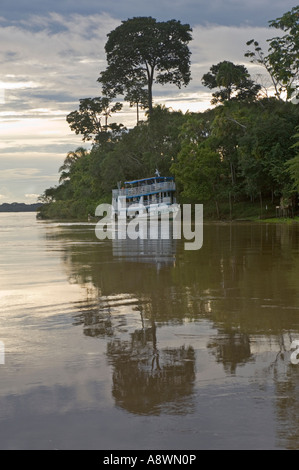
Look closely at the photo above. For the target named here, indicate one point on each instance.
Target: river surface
(145, 345)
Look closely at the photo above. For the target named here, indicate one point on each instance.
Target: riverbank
(245, 211)
(237, 211)
(281, 220)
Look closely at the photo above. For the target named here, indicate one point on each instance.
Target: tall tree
(259, 57)
(88, 120)
(233, 82)
(282, 61)
(144, 51)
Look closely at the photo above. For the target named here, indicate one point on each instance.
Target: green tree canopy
(282, 61)
(284, 51)
(144, 51)
(88, 120)
(233, 81)
(293, 164)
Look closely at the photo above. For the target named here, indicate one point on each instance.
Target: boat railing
(144, 189)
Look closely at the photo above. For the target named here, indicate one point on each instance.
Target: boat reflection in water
(159, 250)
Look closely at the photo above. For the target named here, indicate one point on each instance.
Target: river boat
(145, 197)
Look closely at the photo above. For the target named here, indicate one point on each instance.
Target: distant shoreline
(19, 207)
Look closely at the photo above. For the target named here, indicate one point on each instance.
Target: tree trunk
(232, 171)
(150, 99)
(261, 201)
(150, 80)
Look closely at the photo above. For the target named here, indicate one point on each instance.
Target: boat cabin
(150, 194)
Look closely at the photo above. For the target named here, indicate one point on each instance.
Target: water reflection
(287, 407)
(159, 250)
(231, 349)
(165, 312)
(146, 377)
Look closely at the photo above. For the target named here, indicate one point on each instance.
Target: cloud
(213, 44)
(55, 60)
(32, 196)
(228, 12)
(63, 56)
(16, 182)
(19, 173)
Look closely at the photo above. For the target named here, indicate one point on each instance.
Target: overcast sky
(52, 52)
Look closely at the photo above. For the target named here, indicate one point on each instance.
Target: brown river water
(122, 344)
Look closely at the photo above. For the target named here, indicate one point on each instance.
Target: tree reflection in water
(145, 378)
(231, 349)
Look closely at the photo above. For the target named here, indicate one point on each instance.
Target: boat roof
(150, 179)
